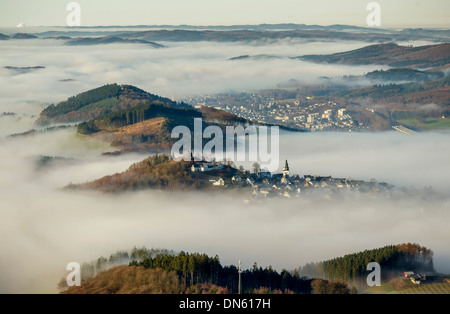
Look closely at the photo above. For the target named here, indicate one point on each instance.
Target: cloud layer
(42, 228)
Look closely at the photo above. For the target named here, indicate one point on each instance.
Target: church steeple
(286, 169)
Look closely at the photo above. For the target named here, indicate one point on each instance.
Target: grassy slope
(402, 285)
(432, 288)
(430, 123)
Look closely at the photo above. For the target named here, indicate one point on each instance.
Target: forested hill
(393, 259)
(99, 101)
(159, 172)
(186, 273)
(131, 118)
(390, 54)
(165, 271)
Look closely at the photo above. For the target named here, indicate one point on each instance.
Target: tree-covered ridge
(162, 172)
(432, 91)
(390, 54)
(403, 74)
(392, 258)
(88, 41)
(165, 271)
(195, 268)
(75, 103)
(91, 269)
(129, 280)
(99, 101)
(147, 126)
(134, 115)
(155, 172)
(213, 115)
(131, 118)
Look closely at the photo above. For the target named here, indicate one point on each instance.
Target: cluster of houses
(265, 184)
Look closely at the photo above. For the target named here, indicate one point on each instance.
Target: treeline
(91, 269)
(403, 74)
(397, 91)
(392, 258)
(138, 280)
(213, 115)
(101, 101)
(198, 268)
(136, 115)
(156, 172)
(321, 286)
(77, 102)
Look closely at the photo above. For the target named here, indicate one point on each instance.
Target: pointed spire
(286, 169)
(286, 166)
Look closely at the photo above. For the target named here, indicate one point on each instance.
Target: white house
(219, 182)
(195, 168)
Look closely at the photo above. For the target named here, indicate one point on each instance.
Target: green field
(428, 124)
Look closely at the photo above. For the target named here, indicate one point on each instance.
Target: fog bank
(42, 228)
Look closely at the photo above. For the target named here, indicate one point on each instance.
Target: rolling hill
(404, 96)
(126, 116)
(156, 172)
(403, 75)
(96, 102)
(89, 41)
(23, 36)
(390, 54)
(144, 271)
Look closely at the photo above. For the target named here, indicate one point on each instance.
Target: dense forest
(91, 269)
(198, 268)
(390, 54)
(396, 90)
(77, 102)
(165, 271)
(131, 118)
(100, 101)
(433, 91)
(403, 74)
(158, 172)
(136, 115)
(393, 259)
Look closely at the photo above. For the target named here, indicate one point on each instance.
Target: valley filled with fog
(43, 227)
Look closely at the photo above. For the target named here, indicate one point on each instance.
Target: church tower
(286, 169)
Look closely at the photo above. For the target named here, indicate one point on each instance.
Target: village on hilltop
(263, 183)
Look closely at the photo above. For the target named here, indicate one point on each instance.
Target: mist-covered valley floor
(43, 227)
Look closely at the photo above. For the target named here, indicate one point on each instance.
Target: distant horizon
(393, 14)
(224, 25)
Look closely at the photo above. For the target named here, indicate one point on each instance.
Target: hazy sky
(398, 13)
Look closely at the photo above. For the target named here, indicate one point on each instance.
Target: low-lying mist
(42, 227)
(179, 70)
